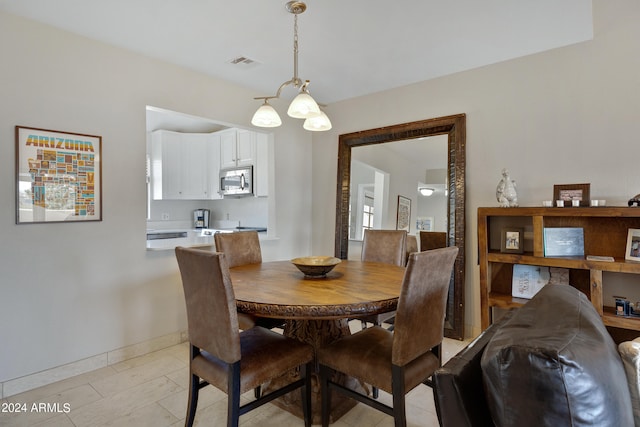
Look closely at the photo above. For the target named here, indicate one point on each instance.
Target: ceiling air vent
(243, 61)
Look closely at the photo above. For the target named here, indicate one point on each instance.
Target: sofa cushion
(554, 364)
(630, 353)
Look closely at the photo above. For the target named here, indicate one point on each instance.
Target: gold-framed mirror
(455, 129)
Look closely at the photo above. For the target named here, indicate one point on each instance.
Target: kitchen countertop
(192, 238)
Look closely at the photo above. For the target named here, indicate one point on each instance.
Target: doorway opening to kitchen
(186, 156)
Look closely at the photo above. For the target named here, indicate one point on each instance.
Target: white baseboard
(39, 379)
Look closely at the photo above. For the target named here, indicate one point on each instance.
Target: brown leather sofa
(548, 363)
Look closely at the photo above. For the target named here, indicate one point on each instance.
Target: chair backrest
(432, 240)
(211, 305)
(239, 248)
(419, 323)
(387, 246)
(412, 246)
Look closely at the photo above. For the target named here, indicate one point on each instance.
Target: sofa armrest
(459, 392)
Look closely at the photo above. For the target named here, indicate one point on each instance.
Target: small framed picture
(424, 223)
(633, 245)
(403, 220)
(570, 192)
(512, 240)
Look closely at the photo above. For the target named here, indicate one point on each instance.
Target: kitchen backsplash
(178, 214)
(188, 225)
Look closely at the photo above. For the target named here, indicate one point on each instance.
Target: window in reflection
(367, 213)
(399, 168)
(370, 190)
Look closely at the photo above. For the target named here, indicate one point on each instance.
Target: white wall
(434, 206)
(71, 291)
(569, 115)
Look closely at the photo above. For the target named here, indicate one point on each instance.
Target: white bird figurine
(506, 191)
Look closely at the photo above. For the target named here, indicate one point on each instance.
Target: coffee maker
(201, 218)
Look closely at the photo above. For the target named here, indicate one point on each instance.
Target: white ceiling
(348, 48)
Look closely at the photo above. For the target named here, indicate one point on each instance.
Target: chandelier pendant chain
(295, 80)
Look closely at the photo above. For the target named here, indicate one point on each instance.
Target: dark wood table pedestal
(318, 333)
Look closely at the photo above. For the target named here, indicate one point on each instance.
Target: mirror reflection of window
(373, 183)
(400, 168)
(367, 212)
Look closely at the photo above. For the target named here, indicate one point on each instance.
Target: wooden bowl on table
(316, 266)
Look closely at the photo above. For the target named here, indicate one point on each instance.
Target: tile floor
(151, 390)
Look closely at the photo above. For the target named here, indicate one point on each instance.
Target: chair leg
(305, 371)
(233, 395)
(194, 389)
(257, 392)
(325, 374)
(397, 386)
(374, 390)
(437, 350)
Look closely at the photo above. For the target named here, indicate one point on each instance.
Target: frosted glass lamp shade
(318, 123)
(266, 117)
(303, 106)
(426, 191)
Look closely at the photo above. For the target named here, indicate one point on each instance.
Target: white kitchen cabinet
(194, 174)
(245, 148)
(213, 165)
(183, 166)
(228, 148)
(165, 167)
(237, 148)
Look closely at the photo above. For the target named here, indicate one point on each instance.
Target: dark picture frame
(58, 176)
(512, 240)
(570, 192)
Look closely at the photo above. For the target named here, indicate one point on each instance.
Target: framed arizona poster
(58, 176)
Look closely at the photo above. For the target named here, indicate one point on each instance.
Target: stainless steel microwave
(236, 182)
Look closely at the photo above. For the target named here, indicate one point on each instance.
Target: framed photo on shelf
(633, 245)
(58, 176)
(563, 241)
(570, 192)
(512, 240)
(404, 213)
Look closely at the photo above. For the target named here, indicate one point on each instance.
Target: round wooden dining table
(317, 309)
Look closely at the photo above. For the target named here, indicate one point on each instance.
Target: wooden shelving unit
(605, 234)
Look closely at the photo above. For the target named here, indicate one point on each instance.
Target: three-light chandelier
(303, 105)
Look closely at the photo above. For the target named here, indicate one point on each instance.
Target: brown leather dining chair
(397, 361)
(222, 355)
(432, 240)
(412, 246)
(243, 248)
(240, 248)
(388, 247)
